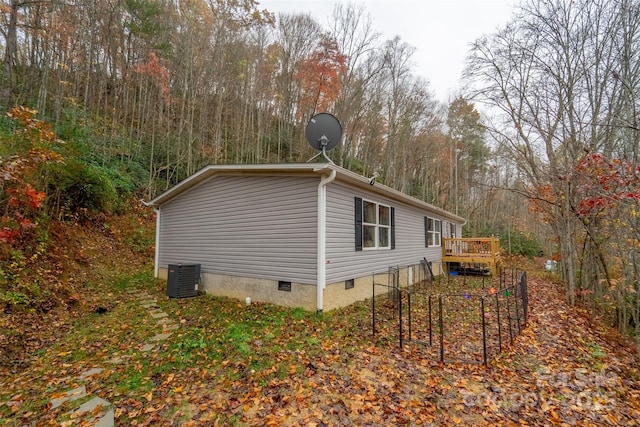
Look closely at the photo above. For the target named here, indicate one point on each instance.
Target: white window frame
(434, 236)
(377, 226)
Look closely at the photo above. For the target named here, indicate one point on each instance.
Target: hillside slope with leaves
(232, 364)
(64, 211)
(74, 277)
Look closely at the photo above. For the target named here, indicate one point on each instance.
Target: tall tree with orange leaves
(319, 78)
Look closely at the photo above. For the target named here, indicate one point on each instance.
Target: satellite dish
(323, 133)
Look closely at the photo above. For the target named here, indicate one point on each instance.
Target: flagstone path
(94, 410)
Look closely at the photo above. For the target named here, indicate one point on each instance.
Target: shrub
(76, 186)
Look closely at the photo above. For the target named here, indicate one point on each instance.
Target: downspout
(156, 266)
(321, 278)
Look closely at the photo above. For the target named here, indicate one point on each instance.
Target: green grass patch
(134, 380)
(220, 345)
(140, 280)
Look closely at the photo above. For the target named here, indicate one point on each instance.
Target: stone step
(139, 294)
(68, 396)
(161, 337)
(106, 420)
(89, 373)
(147, 347)
(159, 315)
(117, 359)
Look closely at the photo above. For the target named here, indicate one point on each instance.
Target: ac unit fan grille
(183, 280)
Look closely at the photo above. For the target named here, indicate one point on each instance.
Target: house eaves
(342, 175)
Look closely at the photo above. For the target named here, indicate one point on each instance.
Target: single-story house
(307, 235)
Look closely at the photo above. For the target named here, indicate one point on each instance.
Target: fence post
(515, 301)
(509, 319)
(399, 316)
(499, 326)
(430, 323)
(373, 304)
(409, 313)
(441, 329)
(525, 295)
(484, 332)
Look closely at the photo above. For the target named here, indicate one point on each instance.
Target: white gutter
(321, 278)
(156, 266)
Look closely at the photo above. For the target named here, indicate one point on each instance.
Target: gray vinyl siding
(446, 230)
(249, 226)
(344, 262)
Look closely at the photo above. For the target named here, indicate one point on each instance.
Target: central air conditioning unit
(183, 280)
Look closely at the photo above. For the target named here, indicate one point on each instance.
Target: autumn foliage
(21, 194)
(606, 184)
(158, 73)
(603, 187)
(319, 77)
(46, 194)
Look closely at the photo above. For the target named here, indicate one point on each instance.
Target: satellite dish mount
(323, 133)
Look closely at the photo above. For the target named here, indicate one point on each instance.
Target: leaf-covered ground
(228, 364)
(80, 267)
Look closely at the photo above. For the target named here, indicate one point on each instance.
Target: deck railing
(472, 250)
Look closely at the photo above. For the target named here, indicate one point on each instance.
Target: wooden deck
(472, 251)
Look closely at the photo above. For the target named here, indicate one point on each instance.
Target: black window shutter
(393, 228)
(426, 232)
(358, 222)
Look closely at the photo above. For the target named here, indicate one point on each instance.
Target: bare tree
(296, 37)
(353, 30)
(559, 82)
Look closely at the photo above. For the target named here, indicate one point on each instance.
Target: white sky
(440, 30)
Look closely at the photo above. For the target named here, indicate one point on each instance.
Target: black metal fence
(453, 318)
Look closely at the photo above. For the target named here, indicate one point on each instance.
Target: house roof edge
(343, 175)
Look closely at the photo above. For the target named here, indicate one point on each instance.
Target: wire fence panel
(452, 319)
(462, 327)
(385, 313)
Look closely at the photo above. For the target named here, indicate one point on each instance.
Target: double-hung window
(432, 231)
(374, 225)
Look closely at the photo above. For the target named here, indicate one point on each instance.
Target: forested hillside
(105, 103)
